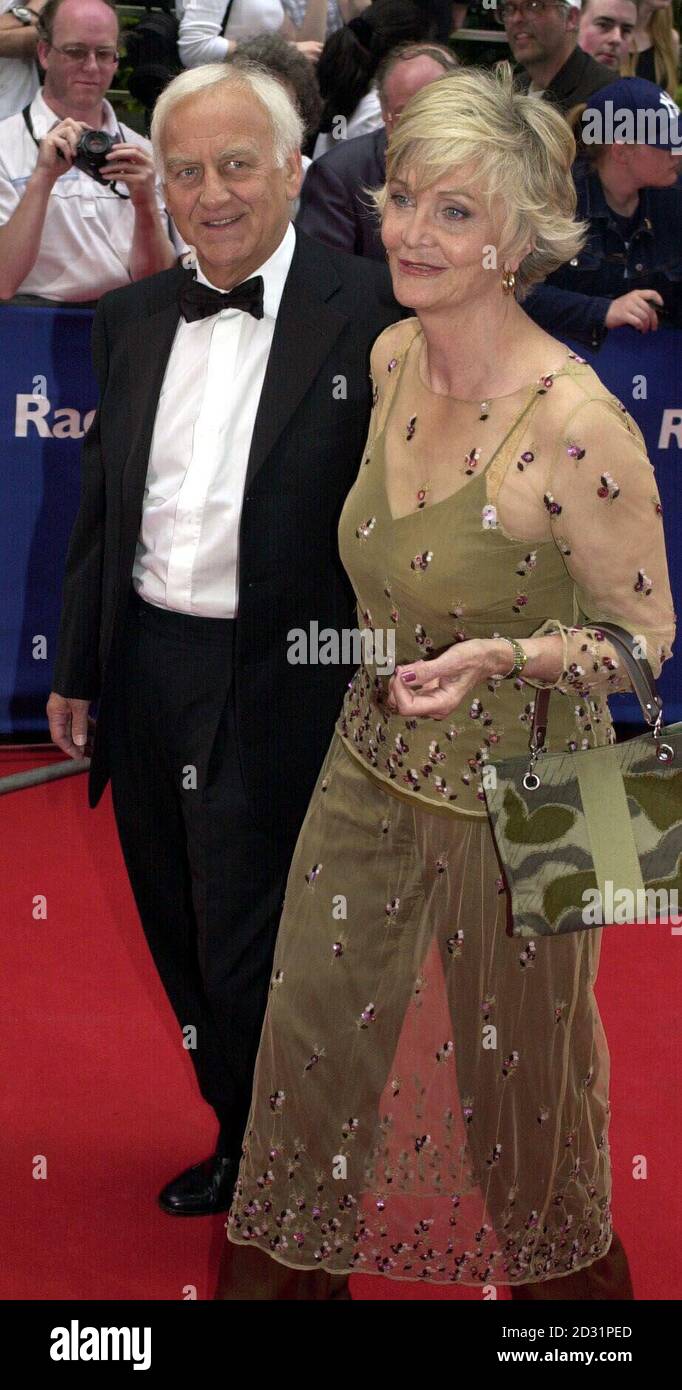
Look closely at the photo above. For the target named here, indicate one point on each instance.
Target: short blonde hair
(522, 149)
(285, 122)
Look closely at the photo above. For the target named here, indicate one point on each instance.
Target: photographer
(73, 226)
(630, 195)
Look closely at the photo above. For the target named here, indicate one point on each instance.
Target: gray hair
(285, 122)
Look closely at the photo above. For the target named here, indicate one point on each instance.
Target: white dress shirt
(365, 118)
(88, 230)
(187, 552)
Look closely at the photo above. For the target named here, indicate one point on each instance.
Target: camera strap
(26, 113)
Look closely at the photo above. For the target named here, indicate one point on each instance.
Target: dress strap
(384, 389)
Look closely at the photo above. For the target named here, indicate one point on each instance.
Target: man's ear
(293, 172)
(42, 52)
(572, 19)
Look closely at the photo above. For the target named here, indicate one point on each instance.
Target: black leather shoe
(202, 1190)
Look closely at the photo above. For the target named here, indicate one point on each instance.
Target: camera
(91, 152)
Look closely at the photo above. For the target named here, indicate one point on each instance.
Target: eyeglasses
(532, 9)
(79, 53)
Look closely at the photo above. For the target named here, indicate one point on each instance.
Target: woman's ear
(516, 261)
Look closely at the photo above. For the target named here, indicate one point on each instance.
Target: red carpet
(99, 1094)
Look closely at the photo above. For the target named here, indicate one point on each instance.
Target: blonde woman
(655, 48)
(431, 1094)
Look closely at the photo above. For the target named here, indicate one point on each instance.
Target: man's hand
(135, 167)
(57, 149)
(19, 40)
(636, 309)
(70, 727)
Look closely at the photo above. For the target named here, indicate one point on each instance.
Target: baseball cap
(632, 111)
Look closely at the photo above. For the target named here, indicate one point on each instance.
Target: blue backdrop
(47, 395)
(47, 388)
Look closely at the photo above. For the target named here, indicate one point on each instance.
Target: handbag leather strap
(641, 679)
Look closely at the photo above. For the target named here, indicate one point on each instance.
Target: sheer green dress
(431, 1095)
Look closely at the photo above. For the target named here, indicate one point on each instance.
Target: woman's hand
(434, 689)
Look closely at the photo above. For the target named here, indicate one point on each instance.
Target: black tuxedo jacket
(306, 449)
(335, 207)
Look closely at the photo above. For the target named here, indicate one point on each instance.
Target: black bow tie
(198, 301)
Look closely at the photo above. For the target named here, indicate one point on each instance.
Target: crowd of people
(73, 226)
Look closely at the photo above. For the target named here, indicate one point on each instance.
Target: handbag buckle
(531, 781)
(665, 753)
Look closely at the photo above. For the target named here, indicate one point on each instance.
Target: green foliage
(126, 108)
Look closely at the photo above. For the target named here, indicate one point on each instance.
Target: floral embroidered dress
(431, 1095)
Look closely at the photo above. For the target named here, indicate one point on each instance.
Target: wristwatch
(24, 15)
(520, 658)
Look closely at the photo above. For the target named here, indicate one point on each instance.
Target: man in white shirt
(65, 236)
(233, 413)
(18, 43)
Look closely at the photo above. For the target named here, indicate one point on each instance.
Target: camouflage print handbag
(592, 838)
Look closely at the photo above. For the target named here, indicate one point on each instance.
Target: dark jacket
(574, 300)
(307, 446)
(580, 76)
(334, 206)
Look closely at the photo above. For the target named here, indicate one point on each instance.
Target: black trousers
(208, 881)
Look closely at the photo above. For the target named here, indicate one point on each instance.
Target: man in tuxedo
(232, 417)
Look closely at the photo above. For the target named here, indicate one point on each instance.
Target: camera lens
(95, 143)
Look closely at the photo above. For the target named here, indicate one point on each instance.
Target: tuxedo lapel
(307, 328)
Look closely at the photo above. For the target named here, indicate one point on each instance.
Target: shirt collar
(274, 272)
(43, 117)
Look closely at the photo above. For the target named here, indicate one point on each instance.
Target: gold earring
(508, 282)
